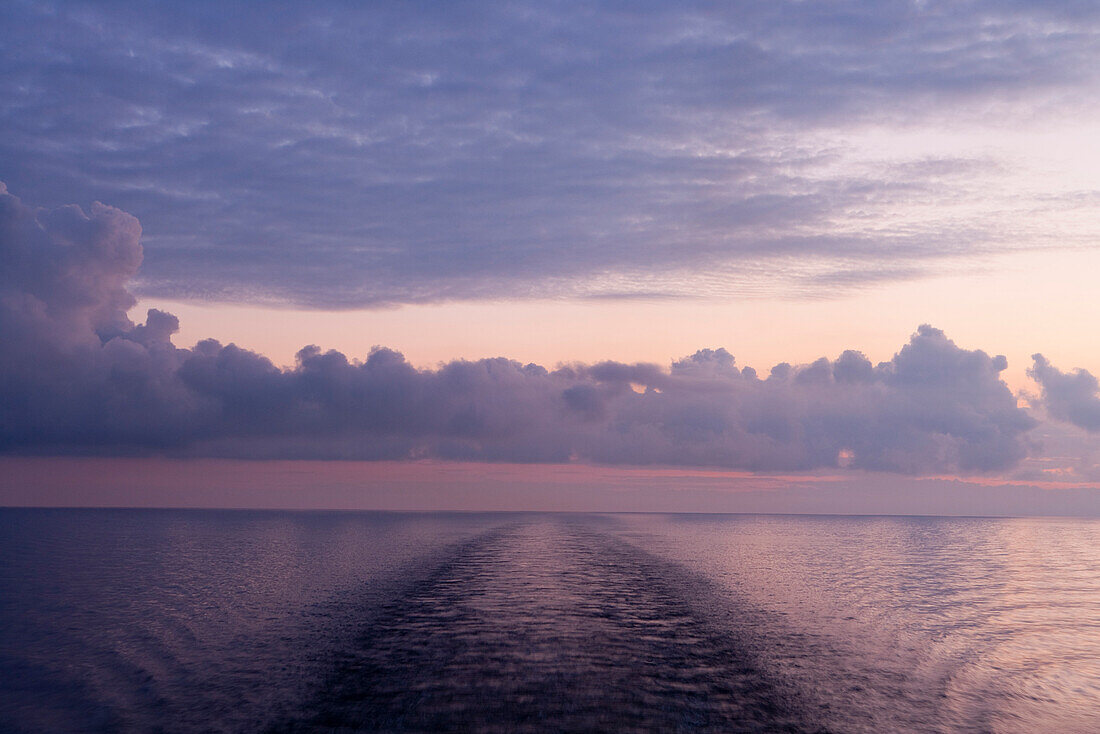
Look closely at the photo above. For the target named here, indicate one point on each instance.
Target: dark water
(182, 621)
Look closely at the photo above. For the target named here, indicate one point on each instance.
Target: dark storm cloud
(343, 154)
(76, 376)
(1068, 396)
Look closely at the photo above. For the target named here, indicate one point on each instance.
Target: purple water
(189, 621)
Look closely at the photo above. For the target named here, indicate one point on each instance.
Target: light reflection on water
(244, 621)
(916, 623)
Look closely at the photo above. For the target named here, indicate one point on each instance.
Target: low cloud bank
(78, 377)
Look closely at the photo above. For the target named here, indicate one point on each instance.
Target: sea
(270, 621)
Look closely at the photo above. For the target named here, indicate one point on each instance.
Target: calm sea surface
(196, 621)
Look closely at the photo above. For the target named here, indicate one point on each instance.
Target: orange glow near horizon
(978, 311)
(466, 486)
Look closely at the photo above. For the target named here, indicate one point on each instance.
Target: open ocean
(227, 621)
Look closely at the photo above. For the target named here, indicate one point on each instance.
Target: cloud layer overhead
(77, 376)
(337, 155)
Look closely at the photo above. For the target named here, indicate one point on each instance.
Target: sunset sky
(550, 256)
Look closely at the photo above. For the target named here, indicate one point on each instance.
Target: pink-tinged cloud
(1073, 397)
(79, 378)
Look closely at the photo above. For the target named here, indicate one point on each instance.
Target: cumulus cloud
(345, 154)
(77, 376)
(1068, 396)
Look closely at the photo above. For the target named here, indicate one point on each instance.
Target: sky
(771, 256)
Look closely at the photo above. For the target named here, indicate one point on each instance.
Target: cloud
(1070, 397)
(337, 155)
(78, 377)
